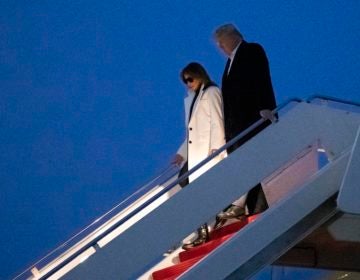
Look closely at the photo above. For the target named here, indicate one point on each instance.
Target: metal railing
(164, 176)
(333, 99)
(169, 187)
(170, 172)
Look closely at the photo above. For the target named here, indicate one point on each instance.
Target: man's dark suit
(247, 90)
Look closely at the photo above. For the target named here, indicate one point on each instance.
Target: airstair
(308, 163)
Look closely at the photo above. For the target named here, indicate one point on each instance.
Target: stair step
(173, 271)
(190, 257)
(203, 249)
(228, 229)
(217, 237)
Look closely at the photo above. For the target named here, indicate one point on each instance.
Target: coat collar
(231, 60)
(188, 100)
(240, 47)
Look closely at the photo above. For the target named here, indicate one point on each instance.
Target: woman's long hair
(197, 71)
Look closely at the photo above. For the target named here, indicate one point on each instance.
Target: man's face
(226, 43)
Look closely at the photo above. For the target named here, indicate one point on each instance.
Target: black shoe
(203, 236)
(234, 212)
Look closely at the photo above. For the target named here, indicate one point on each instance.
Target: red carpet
(190, 257)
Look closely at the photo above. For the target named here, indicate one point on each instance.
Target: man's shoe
(203, 236)
(234, 212)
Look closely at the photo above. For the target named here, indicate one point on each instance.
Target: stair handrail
(170, 171)
(331, 98)
(170, 186)
(148, 186)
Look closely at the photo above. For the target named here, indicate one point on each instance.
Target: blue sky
(92, 106)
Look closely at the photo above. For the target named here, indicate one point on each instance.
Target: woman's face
(191, 82)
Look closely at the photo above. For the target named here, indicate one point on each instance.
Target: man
(247, 91)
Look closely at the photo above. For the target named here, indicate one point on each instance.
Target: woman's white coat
(205, 129)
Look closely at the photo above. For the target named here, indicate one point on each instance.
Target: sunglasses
(188, 80)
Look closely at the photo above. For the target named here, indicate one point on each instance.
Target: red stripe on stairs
(173, 271)
(190, 257)
(203, 249)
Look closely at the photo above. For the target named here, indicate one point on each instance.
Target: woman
(205, 127)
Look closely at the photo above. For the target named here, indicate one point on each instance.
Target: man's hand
(178, 159)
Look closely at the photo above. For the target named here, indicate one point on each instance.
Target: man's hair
(228, 29)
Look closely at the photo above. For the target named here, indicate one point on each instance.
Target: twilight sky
(91, 105)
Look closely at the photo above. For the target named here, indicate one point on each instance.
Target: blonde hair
(227, 30)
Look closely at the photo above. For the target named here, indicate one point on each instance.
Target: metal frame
(93, 243)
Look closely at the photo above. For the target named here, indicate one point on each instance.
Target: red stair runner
(203, 249)
(190, 257)
(217, 237)
(173, 271)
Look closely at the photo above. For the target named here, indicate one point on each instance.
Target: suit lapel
(226, 68)
(188, 101)
(197, 102)
(227, 73)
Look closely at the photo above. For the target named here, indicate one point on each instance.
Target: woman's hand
(178, 159)
(212, 151)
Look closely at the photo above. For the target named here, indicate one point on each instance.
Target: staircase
(190, 257)
(301, 193)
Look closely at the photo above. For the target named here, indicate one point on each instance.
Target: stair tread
(172, 271)
(190, 257)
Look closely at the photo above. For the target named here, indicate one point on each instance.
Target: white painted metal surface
(272, 224)
(102, 229)
(349, 196)
(128, 255)
(292, 175)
